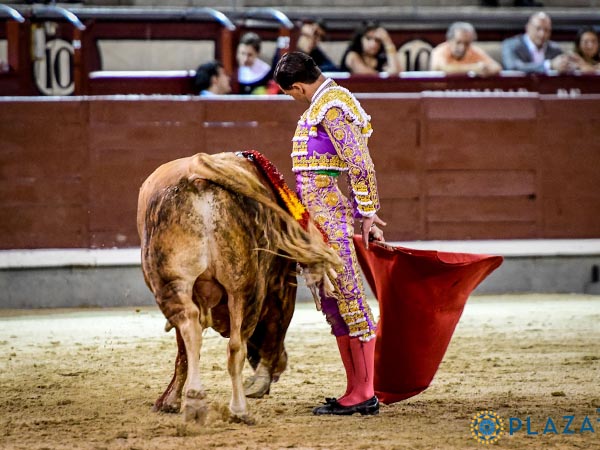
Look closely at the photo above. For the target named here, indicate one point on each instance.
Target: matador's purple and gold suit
(331, 138)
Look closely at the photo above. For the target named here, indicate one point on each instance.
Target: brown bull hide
(217, 251)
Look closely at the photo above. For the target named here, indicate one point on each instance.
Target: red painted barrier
(449, 167)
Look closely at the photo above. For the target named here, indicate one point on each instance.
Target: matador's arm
(351, 146)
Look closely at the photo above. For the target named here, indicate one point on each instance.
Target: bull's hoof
(195, 410)
(194, 406)
(169, 402)
(195, 394)
(169, 408)
(242, 418)
(257, 386)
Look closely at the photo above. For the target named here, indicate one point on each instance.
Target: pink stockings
(343, 343)
(358, 358)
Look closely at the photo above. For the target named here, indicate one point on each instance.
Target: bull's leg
(170, 400)
(269, 336)
(257, 385)
(181, 311)
(236, 354)
(194, 405)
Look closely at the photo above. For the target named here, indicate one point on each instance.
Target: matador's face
(297, 93)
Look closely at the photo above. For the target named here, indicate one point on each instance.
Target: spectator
(534, 51)
(311, 34)
(253, 73)
(211, 79)
(459, 55)
(371, 51)
(586, 46)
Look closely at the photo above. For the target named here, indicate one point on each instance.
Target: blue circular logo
(487, 427)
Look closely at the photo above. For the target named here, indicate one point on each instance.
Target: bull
(219, 251)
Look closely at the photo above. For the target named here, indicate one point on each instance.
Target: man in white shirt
(253, 73)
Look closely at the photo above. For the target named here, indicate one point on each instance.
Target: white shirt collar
(256, 72)
(533, 48)
(320, 89)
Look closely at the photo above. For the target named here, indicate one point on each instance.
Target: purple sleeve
(351, 146)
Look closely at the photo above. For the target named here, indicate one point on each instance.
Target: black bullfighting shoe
(367, 408)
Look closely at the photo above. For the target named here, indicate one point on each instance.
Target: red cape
(421, 295)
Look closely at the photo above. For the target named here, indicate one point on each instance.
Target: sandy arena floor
(88, 378)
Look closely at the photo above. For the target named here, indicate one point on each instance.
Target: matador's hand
(370, 230)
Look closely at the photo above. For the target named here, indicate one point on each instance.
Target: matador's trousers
(331, 209)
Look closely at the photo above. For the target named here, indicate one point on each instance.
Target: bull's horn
(168, 326)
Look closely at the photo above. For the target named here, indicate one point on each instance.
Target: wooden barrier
(110, 83)
(449, 166)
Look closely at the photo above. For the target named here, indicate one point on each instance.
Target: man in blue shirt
(211, 79)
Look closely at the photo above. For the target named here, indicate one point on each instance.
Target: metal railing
(53, 12)
(12, 13)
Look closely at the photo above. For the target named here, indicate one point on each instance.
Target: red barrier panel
(448, 167)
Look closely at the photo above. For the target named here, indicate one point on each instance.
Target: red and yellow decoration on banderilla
(285, 196)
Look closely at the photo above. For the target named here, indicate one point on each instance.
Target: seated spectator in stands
(534, 51)
(459, 55)
(586, 46)
(211, 79)
(311, 35)
(371, 51)
(253, 73)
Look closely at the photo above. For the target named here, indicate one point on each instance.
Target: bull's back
(195, 228)
(166, 175)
